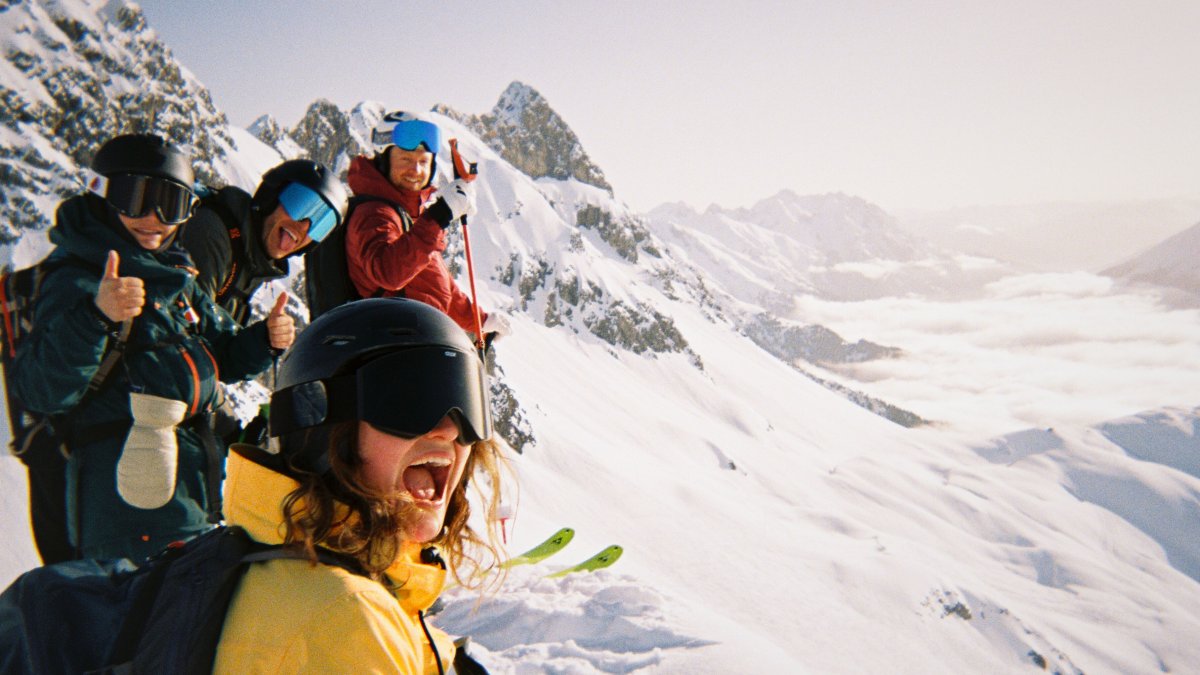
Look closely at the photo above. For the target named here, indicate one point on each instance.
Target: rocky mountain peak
(524, 130)
(326, 136)
(76, 74)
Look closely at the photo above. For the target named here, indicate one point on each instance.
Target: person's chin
(424, 526)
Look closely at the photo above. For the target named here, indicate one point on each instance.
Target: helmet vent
(338, 340)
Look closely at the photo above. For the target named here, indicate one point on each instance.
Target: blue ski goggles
(410, 135)
(303, 203)
(139, 196)
(405, 393)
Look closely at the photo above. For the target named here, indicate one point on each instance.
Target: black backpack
(89, 616)
(326, 275)
(18, 299)
(212, 200)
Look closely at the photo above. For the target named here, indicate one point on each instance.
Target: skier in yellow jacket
(379, 415)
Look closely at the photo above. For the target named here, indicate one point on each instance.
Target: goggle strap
(289, 407)
(96, 184)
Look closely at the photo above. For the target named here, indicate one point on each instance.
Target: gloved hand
(458, 199)
(498, 324)
(149, 460)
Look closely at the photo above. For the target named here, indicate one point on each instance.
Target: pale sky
(908, 104)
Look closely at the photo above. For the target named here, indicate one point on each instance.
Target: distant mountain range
(1173, 264)
(1056, 237)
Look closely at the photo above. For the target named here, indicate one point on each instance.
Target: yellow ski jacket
(290, 616)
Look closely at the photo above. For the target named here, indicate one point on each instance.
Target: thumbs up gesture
(119, 298)
(281, 328)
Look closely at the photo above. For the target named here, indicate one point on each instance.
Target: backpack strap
(12, 306)
(111, 356)
(406, 223)
(356, 200)
(236, 245)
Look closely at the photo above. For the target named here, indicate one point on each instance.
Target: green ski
(597, 562)
(554, 544)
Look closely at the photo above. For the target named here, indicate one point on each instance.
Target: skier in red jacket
(394, 244)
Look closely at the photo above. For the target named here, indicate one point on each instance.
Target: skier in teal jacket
(144, 468)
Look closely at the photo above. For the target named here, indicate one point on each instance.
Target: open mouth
(426, 480)
(287, 240)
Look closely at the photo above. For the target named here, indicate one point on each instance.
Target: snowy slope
(772, 526)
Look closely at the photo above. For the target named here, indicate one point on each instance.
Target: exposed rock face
(524, 130)
(326, 135)
(79, 74)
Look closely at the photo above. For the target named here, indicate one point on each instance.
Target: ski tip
(599, 561)
(550, 546)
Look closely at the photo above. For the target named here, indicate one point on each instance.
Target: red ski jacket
(383, 257)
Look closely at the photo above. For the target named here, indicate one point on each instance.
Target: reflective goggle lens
(406, 394)
(410, 135)
(303, 203)
(138, 196)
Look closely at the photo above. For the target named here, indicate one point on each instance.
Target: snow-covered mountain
(1170, 264)
(1055, 237)
(74, 73)
(833, 245)
(769, 524)
(524, 130)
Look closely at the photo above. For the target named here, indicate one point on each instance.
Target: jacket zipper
(187, 358)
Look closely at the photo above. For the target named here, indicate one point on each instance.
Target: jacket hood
(253, 498)
(365, 179)
(86, 228)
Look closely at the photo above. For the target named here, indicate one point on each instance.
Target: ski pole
(469, 173)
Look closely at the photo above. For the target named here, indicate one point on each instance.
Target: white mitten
(497, 323)
(146, 470)
(459, 197)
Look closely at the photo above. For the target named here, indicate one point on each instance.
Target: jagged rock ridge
(78, 74)
(524, 130)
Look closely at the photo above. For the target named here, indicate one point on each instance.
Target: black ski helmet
(144, 155)
(313, 175)
(398, 364)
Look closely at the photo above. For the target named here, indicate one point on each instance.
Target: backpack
(240, 259)
(90, 616)
(326, 275)
(34, 435)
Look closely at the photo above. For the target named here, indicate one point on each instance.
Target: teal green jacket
(180, 346)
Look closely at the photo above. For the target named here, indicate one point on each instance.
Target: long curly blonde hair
(337, 510)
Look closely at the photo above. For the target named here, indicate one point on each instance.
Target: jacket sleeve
(57, 360)
(241, 353)
(207, 241)
(381, 255)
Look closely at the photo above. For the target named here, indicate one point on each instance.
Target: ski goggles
(138, 196)
(405, 393)
(303, 203)
(409, 135)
